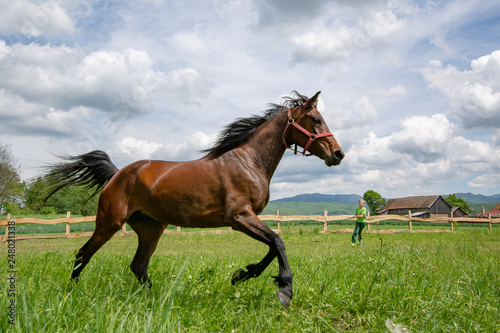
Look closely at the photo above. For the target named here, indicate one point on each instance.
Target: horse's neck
(266, 145)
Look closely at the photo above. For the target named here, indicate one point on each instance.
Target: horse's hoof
(285, 299)
(238, 276)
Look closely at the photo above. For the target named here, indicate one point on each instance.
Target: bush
(47, 210)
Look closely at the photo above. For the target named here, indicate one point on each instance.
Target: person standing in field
(360, 222)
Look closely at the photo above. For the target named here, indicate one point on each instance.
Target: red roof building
(495, 212)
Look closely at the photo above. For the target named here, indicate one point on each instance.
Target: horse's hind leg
(253, 270)
(148, 232)
(105, 229)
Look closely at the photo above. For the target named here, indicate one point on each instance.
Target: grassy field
(444, 282)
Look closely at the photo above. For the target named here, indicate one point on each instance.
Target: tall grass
(425, 282)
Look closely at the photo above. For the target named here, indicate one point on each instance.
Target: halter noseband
(311, 136)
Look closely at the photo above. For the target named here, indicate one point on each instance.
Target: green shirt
(361, 211)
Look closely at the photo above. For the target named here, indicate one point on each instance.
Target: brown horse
(227, 187)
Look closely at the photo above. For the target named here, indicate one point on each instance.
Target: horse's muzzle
(335, 158)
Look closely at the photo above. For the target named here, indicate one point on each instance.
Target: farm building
(421, 206)
(458, 212)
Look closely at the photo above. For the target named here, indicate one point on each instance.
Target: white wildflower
(395, 328)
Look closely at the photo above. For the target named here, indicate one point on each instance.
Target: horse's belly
(193, 221)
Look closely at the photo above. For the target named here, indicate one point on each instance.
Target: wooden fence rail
(377, 218)
(278, 218)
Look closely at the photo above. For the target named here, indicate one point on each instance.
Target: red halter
(311, 136)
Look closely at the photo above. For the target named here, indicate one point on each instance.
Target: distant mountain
(310, 208)
(318, 197)
(346, 204)
(473, 199)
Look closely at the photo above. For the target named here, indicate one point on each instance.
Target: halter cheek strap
(311, 136)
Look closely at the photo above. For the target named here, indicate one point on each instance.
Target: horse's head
(307, 128)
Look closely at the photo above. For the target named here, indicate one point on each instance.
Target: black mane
(239, 131)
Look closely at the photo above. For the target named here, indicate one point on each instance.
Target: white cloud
(135, 149)
(121, 83)
(424, 138)
(32, 20)
(324, 45)
(426, 152)
(474, 94)
(187, 85)
(338, 41)
(374, 151)
(188, 42)
(19, 117)
(485, 181)
(185, 147)
(188, 147)
(496, 138)
(397, 90)
(359, 113)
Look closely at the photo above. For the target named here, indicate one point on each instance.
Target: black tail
(91, 170)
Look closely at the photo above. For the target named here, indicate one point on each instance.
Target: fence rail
(377, 218)
(278, 218)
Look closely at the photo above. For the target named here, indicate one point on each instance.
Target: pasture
(426, 282)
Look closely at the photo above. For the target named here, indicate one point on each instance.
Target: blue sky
(411, 89)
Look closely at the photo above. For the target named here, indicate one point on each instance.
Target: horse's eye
(316, 120)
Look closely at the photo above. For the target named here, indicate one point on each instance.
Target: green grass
(446, 282)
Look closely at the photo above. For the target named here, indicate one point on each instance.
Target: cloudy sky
(411, 89)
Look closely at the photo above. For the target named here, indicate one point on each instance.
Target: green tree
(374, 201)
(76, 200)
(458, 202)
(10, 187)
(34, 194)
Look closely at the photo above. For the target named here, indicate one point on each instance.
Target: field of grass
(445, 282)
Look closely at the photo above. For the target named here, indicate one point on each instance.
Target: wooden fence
(325, 219)
(377, 218)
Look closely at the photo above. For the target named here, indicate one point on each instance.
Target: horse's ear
(312, 102)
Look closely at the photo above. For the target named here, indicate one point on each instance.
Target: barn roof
(454, 210)
(411, 202)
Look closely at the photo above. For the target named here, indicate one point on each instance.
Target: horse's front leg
(247, 222)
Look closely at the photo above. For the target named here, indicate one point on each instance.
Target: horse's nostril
(339, 154)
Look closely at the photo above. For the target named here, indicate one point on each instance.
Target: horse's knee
(279, 244)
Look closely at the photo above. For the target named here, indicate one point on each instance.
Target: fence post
(409, 220)
(68, 216)
(325, 224)
(124, 229)
(489, 220)
(7, 229)
(451, 222)
(178, 229)
(278, 219)
(367, 218)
